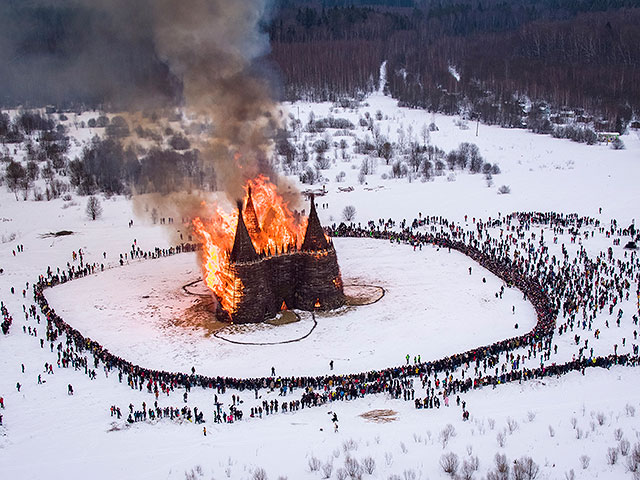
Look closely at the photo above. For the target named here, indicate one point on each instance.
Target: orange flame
(280, 227)
(281, 231)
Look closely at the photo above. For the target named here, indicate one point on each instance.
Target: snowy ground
(134, 310)
(544, 174)
(432, 307)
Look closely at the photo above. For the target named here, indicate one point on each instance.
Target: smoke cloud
(213, 47)
(74, 52)
(207, 56)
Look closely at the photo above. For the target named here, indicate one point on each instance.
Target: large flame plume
(279, 230)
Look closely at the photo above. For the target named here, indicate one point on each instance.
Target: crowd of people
(156, 413)
(553, 285)
(7, 320)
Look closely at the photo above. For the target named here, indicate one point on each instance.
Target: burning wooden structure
(259, 277)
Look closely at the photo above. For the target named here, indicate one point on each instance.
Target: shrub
(409, 475)
(624, 447)
(502, 466)
(314, 464)
(525, 469)
(504, 190)
(633, 460)
(353, 468)
(584, 461)
(612, 456)
(349, 445)
(309, 176)
(399, 169)
(469, 467)
(322, 162)
(369, 465)
(447, 434)
(327, 469)
(635, 453)
(259, 474)
(512, 425)
(449, 463)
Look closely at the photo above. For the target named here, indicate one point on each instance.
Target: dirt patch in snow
(200, 315)
(358, 295)
(380, 416)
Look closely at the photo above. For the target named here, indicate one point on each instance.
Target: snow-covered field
(135, 309)
(432, 307)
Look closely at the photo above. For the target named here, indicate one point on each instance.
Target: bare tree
(14, 175)
(349, 213)
(94, 208)
(386, 151)
(25, 184)
(426, 136)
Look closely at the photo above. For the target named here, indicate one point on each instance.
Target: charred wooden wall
(299, 279)
(252, 299)
(321, 281)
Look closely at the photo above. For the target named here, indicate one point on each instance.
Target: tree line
(575, 54)
(37, 147)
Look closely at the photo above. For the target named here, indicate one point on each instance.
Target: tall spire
(242, 250)
(250, 217)
(314, 238)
